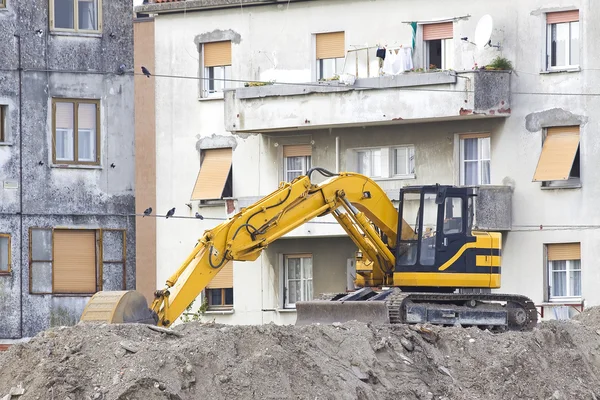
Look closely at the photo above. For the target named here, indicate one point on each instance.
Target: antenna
(483, 33)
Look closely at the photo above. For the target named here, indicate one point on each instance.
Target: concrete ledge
(202, 5)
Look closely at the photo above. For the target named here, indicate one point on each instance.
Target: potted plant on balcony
(499, 64)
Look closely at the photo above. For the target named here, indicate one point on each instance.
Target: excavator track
(471, 309)
(392, 306)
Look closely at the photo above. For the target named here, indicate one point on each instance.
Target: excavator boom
(354, 200)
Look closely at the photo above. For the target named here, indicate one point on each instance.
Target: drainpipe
(337, 154)
(20, 69)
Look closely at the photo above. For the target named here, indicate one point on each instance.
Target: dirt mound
(558, 360)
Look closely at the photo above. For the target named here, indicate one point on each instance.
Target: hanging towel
(389, 62)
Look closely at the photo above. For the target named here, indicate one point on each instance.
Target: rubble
(558, 359)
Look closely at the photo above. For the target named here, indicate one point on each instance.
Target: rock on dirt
(557, 360)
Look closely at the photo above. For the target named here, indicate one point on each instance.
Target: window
(69, 261)
(219, 298)
(562, 39)
(76, 15)
(219, 291)
(82, 117)
(298, 279)
(217, 68)
(453, 215)
(559, 162)
(3, 123)
(403, 161)
(214, 180)
(475, 159)
(564, 271)
(297, 160)
(2, 3)
(331, 53)
(5, 259)
(384, 162)
(369, 162)
(439, 45)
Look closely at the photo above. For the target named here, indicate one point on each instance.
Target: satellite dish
(483, 31)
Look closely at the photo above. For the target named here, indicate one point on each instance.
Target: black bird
(145, 71)
(170, 212)
(112, 165)
(122, 69)
(199, 216)
(41, 163)
(148, 211)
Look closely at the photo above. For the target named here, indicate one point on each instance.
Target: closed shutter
(558, 154)
(297, 150)
(330, 45)
(213, 174)
(217, 54)
(564, 251)
(86, 116)
(438, 31)
(64, 115)
(74, 254)
(562, 16)
(224, 278)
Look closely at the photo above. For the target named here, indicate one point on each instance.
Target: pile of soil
(557, 360)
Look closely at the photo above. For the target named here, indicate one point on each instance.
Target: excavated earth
(557, 360)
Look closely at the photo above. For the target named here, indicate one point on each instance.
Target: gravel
(557, 360)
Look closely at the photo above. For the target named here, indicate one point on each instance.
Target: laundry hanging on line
(397, 60)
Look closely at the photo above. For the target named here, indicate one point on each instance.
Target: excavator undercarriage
(496, 312)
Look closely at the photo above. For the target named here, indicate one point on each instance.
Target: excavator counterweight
(426, 271)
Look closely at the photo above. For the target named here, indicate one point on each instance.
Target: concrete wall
(145, 160)
(275, 43)
(36, 192)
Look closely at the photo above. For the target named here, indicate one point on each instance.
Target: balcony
(405, 98)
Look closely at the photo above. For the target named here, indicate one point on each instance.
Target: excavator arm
(359, 205)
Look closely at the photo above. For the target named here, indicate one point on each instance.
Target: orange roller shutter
(74, 254)
(86, 116)
(297, 150)
(330, 45)
(564, 251)
(558, 154)
(217, 54)
(438, 31)
(224, 278)
(562, 16)
(64, 115)
(213, 174)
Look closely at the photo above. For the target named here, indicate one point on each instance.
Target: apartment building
(249, 94)
(66, 159)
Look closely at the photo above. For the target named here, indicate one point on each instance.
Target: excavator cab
(442, 252)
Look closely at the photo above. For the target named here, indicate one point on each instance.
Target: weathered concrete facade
(37, 66)
(275, 44)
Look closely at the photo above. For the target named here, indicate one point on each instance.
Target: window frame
(568, 269)
(286, 280)
(306, 165)
(100, 259)
(479, 160)
(339, 64)
(387, 161)
(3, 122)
(548, 50)
(75, 29)
(8, 271)
(76, 103)
(223, 305)
(205, 80)
(445, 58)
(572, 181)
(410, 161)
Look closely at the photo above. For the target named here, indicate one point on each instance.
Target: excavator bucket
(364, 305)
(118, 307)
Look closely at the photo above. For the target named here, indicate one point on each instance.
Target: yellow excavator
(435, 269)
